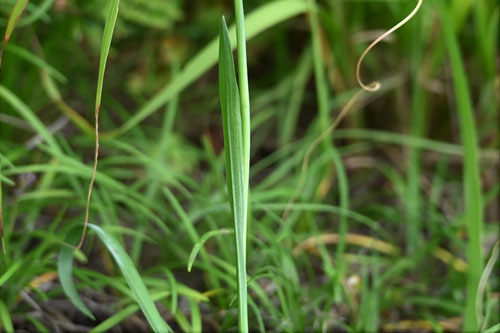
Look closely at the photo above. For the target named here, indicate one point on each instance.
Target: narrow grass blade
(54, 94)
(121, 315)
(235, 174)
(472, 182)
(243, 89)
(297, 92)
(493, 329)
(5, 320)
(37, 61)
(2, 233)
(484, 281)
(39, 13)
(133, 279)
(38, 325)
(199, 244)
(195, 316)
(417, 128)
(8, 274)
(115, 319)
(105, 45)
(65, 270)
(173, 286)
(15, 14)
(29, 116)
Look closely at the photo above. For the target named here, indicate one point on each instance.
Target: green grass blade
(2, 232)
(344, 203)
(133, 279)
(40, 12)
(235, 159)
(243, 85)
(38, 325)
(493, 329)
(319, 71)
(410, 141)
(8, 274)
(29, 116)
(115, 319)
(418, 115)
(472, 182)
(203, 239)
(259, 20)
(65, 270)
(297, 92)
(195, 316)
(105, 45)
(5, 320)
(15, 14)
(37, 61)
(121, 315)
(173, 286)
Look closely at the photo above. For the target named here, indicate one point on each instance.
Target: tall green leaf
(244, 90)
(65, 269)
(133, 278)
(472, 182)
(235, 174)
(5, 319)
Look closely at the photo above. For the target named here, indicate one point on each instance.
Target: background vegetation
(392, 225)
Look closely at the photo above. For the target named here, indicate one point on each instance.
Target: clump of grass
(353, 244)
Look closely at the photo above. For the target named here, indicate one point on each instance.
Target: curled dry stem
(92, 180)
(375, 85)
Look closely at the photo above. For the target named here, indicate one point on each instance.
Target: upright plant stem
(472, 183)
(245, 124)
(105, 46)
(417, 126)
(243, 86)
(2, 235)
(319, 73)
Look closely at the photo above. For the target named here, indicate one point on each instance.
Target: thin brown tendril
(374, 86)
(91, 186)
